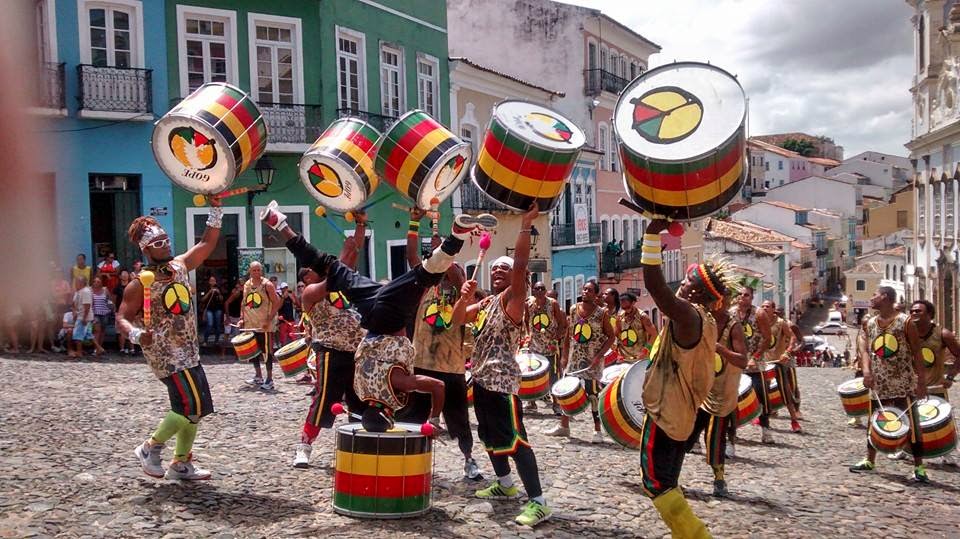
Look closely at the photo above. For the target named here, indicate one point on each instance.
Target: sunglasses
(539, 288)
(159, 244)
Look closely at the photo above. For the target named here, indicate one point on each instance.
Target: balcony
(600, 80)
(565, 235)
(115, 92)
(822, 252)
(616, 264)
(49, 97)
(471, 199)
(379, 121)
(292, 123)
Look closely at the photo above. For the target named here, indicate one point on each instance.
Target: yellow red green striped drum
(889, 429)
(338, 169)
(527, 155)
(293, 357)
(246, 347)
(206, 141)
(748, 405)
(570, 395)
(854, 397)
(534, 376)
(382, 474)
(682, 139)
(621, 406)
(774, 395)
(422, 159)
(938, 430)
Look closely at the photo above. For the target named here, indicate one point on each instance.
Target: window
(276, 55)
(391, 81)
(207, 47)
(602, 146)
(780, 164)
(861, 285)
(428, 85)
(902, 219)
(633, 70)
(612, 149)
(350, 83)
(45, 30)
(886, 272)
(603, 59)
(766, 166)
(468, 134)
(397, 256)
(921, 43)
(110, 35)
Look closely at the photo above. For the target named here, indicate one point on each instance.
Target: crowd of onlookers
(77, 314)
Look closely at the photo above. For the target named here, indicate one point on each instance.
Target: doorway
(114, 203)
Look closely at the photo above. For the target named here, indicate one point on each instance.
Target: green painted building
(306, 63)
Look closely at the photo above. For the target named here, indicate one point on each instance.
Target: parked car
(830, 328)
(811, 343)
(834, 316)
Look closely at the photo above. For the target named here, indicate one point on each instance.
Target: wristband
(134, 335)
(653, 238)
(414, 226)
(215, 217)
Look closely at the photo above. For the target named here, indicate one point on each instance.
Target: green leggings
(183, 428)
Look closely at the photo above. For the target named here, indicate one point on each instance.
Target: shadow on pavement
(753, 501)
(236, 508)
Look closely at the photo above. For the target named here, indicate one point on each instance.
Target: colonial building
(934, 154)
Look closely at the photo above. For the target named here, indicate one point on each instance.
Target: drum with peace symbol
(212, 136)
(889, 429)
(528, 153)
(855, 397)
(422, 159)
(570, 395)
(939, 431)
(338, 169)
(534, 376)
(682, 140)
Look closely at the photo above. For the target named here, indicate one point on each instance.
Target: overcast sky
(840, 68)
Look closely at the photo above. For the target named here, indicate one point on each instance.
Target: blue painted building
(103, 65)
(575, 232)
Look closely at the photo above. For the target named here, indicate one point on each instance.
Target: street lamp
(534, 236)
(264, 170)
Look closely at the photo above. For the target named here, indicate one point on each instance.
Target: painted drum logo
(449, 172)
(326, 181)
(888, 422)
(176, 299)
(548, 127)
(666, 115)
(192, 149)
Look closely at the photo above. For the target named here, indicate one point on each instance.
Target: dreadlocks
(716, 276)
(139, 226)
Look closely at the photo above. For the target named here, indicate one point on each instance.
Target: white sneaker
(471, 470)
(302, 458)
(853, 422)
(766, 437)
(597, 438)
(150, 459)
(255, 381)
(899, 455)
(267, 386)
(558, 430)
(186, 471)
(696, 447)
(731, 451)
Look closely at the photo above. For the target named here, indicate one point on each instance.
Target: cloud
(841, 69)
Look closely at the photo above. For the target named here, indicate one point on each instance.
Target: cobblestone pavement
(67, 430)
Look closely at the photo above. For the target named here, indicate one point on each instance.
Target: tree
(802, 147)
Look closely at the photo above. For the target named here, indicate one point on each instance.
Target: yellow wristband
(652, 238)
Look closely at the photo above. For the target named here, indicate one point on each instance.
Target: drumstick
(322, 212)
(484, 245)
(201, 200)
(407, 209)
(146, 279)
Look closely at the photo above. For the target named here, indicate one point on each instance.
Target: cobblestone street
(68, 429)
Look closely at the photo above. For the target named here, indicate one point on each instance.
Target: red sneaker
(756, 422)
(795, 427)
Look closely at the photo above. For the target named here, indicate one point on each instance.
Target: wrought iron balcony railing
(291, 122)
(611, 263)
(565, 235)
(471, 199)
(379, 121)
(600, 80)
(115, 89)
(50, 94)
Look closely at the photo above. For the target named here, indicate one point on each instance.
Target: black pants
(760, 387)
(661, 459)
(334, 383)
(455, 411)
(714, 437)
(384, 308)
(500, 428)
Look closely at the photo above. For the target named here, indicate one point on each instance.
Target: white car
(830, 328)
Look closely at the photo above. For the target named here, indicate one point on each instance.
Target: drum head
(851, 386)
(241, 338)
(532, 364)
(566, 386)
(613, 372)
(745, 385)
(446, 175)
(291, 347)
(631, 391)
(400, 430)
(539, 126)
(679, 111)
(192, 154)
(331, 181)
(890, 422)
(933, 410)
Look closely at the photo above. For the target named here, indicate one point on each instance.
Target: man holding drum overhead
(679, 378)
(498, 329)
(891, 360)
(168, 336)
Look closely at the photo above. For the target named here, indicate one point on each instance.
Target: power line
(107, 124)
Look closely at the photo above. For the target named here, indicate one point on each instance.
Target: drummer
(796, 345)
(891, 358)
(383, 375)
(776, 354)
(439, 351)
(546, 326)
(335, 333)
(720, 406)
(635, 330)
(679, 378)
(756, 331)
(259, 314)
(589, 339)
(934, 343)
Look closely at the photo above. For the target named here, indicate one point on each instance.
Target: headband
(503, 260)
(151, 233)
(703, 274)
